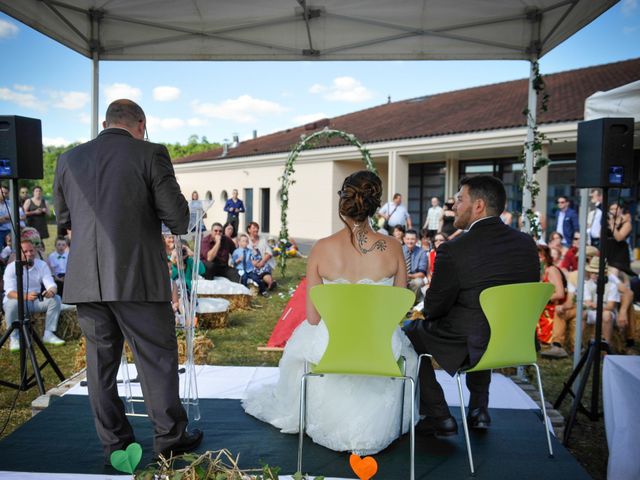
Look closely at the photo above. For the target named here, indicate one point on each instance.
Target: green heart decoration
(127, 460)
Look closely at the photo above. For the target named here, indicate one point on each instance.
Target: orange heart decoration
(364, 468)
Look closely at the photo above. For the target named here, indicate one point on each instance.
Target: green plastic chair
(513, 312)
(361, 320)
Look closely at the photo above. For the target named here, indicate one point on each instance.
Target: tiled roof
(488, 107)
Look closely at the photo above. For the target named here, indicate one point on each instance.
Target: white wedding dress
(344, 413)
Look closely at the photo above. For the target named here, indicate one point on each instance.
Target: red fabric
(293, 315)
(570, 260)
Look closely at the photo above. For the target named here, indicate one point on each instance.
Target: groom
(455, 331)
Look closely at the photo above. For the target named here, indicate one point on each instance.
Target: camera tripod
(28, 337)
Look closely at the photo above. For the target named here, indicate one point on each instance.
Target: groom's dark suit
(455, 331)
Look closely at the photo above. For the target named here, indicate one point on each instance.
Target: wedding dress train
(344, 413)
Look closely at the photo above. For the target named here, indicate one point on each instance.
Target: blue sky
(43, 79)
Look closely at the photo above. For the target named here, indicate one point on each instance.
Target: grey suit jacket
(113, 193)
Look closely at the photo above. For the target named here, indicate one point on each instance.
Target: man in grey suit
(112, 194)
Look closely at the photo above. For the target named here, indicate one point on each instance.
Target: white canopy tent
(310, 30)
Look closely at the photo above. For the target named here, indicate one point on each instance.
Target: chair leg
(403, 386)
(301, 421)
(544, 409)
(412, 427)
(464, 424)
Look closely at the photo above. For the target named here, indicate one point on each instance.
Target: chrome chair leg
(544, 409)
(301, 421)
(402, 395)
(412, 428)
(464, 424)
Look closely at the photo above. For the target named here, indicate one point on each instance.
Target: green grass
(237, 345)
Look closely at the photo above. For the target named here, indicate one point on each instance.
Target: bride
(344, 413)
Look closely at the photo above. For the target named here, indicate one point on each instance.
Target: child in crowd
(58, 262)
(7, 251)
(243, 261)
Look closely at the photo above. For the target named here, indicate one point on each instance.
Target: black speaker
(605, 153)
(20, 147)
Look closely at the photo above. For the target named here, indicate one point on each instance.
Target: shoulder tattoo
(361, 238)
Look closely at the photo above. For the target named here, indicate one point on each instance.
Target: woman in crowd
(398, 233)
(229, 231)
(438, 240)
(549, 273)
(618, 232)
(262, 255)
(446, 222)
(36, 210)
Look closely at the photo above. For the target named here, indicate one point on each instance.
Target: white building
(421, 148)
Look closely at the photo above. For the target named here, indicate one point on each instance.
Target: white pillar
(529, 157)
(398, 176)
(95, 90)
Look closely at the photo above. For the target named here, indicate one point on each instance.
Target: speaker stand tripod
(28, 337)
(589, 363)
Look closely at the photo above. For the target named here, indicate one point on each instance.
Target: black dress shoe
(439, 427)
(479, 418)
(188, 442)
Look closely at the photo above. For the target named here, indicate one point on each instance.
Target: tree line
(195, 144)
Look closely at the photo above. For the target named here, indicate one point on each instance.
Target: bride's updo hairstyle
(359, 197)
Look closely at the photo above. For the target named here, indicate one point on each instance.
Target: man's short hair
(124, 112)
(411, 231)
(216, 224)
(489, 189)
(566, 199)
(396, 195)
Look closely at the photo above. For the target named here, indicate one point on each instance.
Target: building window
(223, 196)
(426, 180)
(208, 196)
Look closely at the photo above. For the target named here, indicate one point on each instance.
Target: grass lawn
(236, 345)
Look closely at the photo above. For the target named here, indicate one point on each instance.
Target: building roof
(489, 107)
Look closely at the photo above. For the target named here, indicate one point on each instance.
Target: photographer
(36, 276)
(187, 264)
(215, 253)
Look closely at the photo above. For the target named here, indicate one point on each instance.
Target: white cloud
(628, 7)
(197, 122)
(26, 100)
(166, 94)
(629, 30)
(69, 100)
(317, 88)
(117, 91)
(343, 89)
(7, 29)
(156, 123)
(84, 118)
(23, 88)
(55, 141)
(244, 109)
(311, 117)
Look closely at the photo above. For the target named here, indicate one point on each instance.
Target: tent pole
(528, 163)
(94, 95)
(584, 207)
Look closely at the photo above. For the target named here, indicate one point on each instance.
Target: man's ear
(104, 124)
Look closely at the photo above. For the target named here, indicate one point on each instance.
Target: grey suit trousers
(149, 328)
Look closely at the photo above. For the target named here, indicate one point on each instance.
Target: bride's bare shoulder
(327, 242)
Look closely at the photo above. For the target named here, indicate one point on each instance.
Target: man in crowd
(114, 193)
(23, 195)
(36, 276)
(455, 330)
(417, 260)
(395, 213)
(594, 220)
(234, 207)
(566, 221)
(216, 249)
(434, 215)
(5, 214)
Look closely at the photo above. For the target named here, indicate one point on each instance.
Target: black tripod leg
(592, 352)
(569, 383)
(48, 356)
(26, 333)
